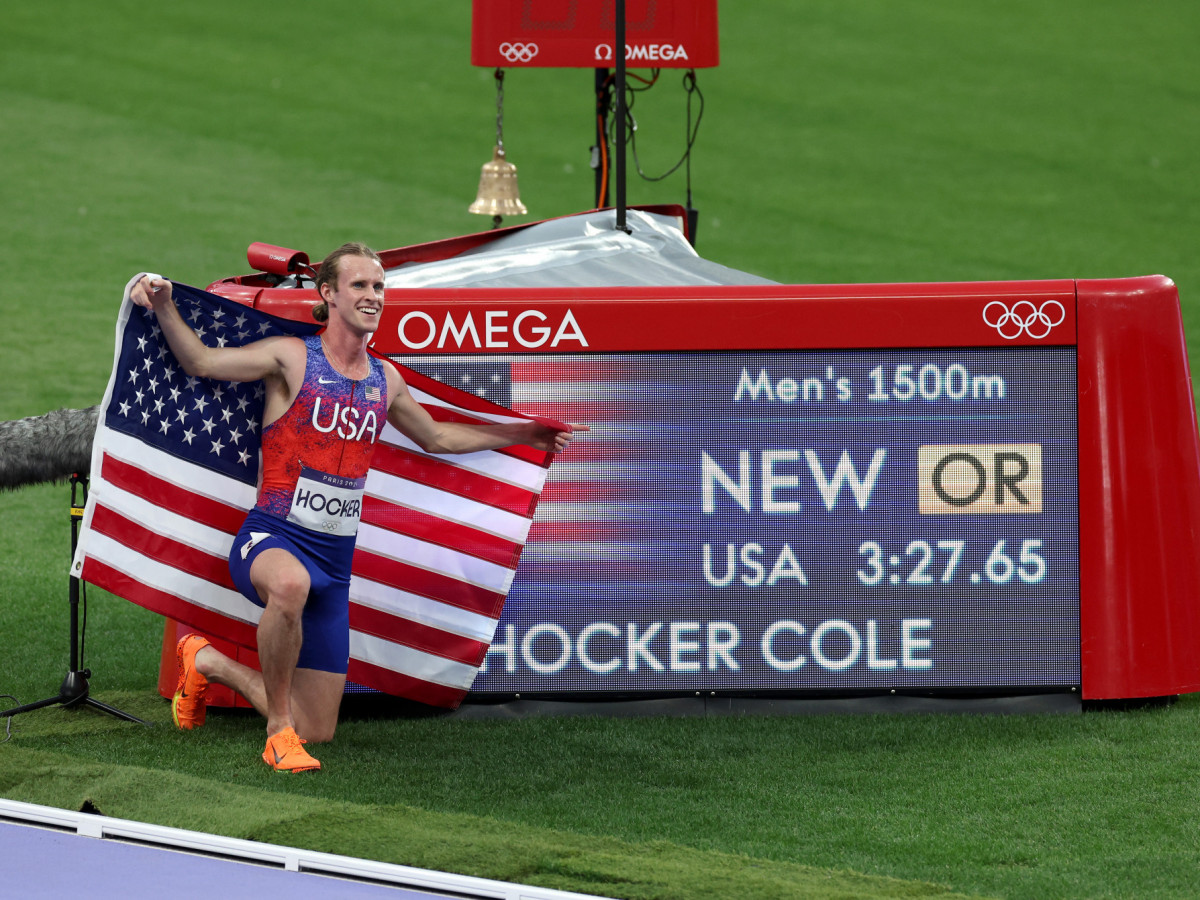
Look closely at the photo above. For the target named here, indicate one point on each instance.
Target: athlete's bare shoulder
(395, 381)
(290, 350)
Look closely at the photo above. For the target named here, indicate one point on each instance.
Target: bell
(498, 195)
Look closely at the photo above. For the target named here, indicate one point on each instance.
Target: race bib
(329, 504)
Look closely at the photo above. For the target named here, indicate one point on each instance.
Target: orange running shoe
(187, 706)
(285, 753)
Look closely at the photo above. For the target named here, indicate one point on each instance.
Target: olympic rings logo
(1024, 318)
(518, 52)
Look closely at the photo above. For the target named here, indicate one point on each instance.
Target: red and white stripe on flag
(437, 548)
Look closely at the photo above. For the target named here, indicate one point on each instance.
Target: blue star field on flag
(214, 424)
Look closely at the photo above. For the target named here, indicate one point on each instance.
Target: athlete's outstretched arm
(261, 359)
(412, 420)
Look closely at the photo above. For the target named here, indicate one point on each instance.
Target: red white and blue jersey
(316, 455)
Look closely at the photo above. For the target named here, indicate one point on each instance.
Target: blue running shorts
(326, 617)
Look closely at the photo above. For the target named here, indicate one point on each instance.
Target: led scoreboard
(799, 520)
(832, 519)
(839, 490)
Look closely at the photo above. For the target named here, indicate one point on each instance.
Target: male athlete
(289, 557)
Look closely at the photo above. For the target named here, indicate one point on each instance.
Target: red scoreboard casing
(1135, 629)
(680, 34)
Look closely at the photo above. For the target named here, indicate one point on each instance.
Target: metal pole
(620, 48)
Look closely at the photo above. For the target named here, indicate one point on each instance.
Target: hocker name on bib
(330, 504)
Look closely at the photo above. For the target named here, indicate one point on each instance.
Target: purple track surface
(47, 863)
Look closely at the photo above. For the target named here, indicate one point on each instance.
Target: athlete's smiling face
(358, 298)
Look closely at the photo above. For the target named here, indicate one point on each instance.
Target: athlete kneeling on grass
(292, 555)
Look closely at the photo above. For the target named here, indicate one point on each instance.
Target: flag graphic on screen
(607, 513)
(599, 507)
(175, 468)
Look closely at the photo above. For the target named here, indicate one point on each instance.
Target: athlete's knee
(314, 724)
(319, 732)
(316, 701)
(287, 588)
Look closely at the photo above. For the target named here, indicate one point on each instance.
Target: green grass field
(841, 142)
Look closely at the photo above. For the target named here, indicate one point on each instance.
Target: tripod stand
(74, 689)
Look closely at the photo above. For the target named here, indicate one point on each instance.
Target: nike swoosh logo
(327, 381)
(255, 537)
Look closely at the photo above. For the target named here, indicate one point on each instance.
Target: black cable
(648, 82)
(687, 177)
(692, 128)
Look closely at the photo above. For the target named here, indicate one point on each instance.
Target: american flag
(175, 468)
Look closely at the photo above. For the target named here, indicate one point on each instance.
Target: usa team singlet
(315, 461)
